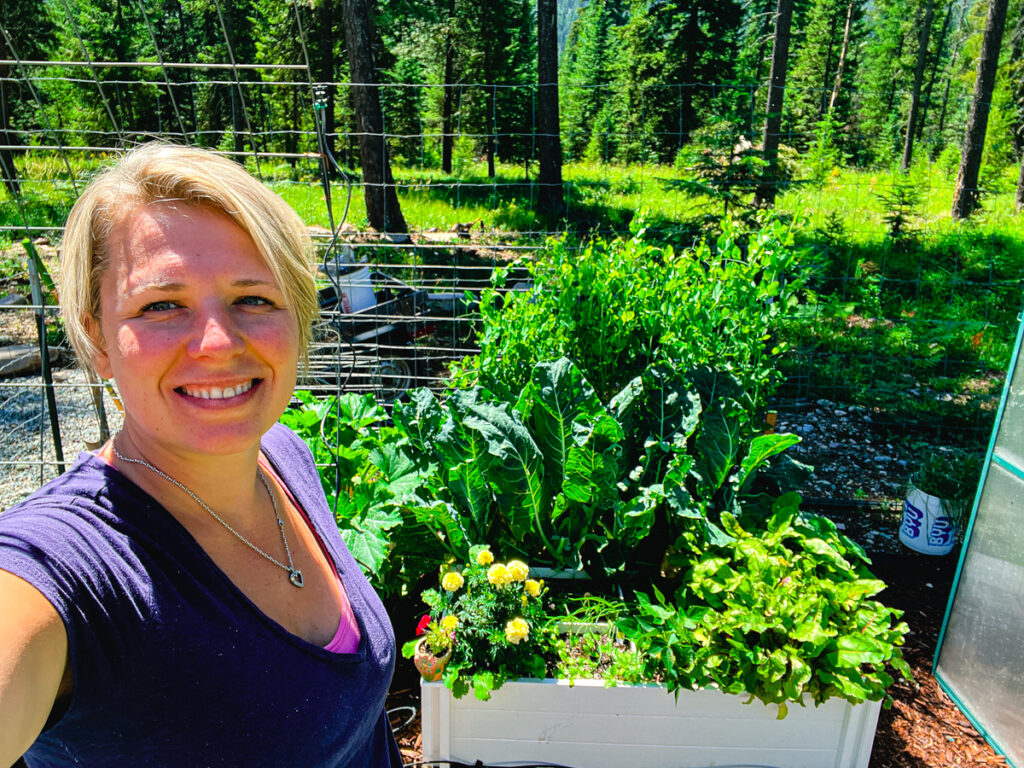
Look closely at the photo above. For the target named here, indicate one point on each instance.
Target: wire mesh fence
(397, 307)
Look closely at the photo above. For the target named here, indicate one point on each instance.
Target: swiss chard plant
(531, 476)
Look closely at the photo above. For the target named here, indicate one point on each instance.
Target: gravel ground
(27, 457)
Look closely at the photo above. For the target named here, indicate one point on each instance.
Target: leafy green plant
(780, 612)
(587, 645)
(371, 485)
(616, 307)
(560, 478)
(529, 477)
(951, 476)
(496, 616)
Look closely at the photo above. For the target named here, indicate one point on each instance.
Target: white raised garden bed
(590, 726)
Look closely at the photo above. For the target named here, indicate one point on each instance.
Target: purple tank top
(173, 664)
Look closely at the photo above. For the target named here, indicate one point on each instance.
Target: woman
(182, 597)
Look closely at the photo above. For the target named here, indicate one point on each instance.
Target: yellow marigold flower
(518, 570)
(484, 557)
(452, 581)
(498, 575)
(449, 623)
(516, 630)
(532, 587)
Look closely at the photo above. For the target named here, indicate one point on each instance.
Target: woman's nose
(216, 335)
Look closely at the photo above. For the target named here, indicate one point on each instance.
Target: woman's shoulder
(67, 498)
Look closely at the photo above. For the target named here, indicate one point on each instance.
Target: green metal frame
(990, 459)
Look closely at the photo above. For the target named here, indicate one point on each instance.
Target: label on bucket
(913, 519)
(925, 526)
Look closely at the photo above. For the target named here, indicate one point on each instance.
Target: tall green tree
(965, 195)
(667, 51)
(926, 14)
(585, 72)
(27, 33)
(765, 193)
(826, 54)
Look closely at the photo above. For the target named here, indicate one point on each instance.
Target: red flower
(422, 626)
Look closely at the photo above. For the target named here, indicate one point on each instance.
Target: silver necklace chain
(294, 574)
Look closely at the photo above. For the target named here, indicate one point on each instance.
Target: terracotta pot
(430, 666)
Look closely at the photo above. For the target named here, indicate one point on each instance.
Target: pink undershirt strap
(346, 638)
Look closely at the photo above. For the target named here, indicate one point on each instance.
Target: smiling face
(195, 331)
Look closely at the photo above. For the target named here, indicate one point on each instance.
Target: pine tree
(585, 72)
(816, 67)
(27, 32)
(965, 195)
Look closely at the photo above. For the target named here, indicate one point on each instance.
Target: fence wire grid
(408, 308)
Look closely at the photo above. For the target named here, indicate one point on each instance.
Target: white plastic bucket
(356, 290)
(925, 527)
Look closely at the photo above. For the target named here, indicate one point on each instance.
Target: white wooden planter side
(590, 726)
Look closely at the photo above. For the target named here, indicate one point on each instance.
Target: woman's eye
(159, 306)
(254, 301)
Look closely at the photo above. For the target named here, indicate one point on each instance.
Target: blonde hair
(158, 172)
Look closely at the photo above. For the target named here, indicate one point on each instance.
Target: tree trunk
(842, 56)
(958, 41)
(765, 194)
(448, 97)
(1017, 55)
(965, 196)
(915, 92)
(549, 175)
(382, 207)
(1020, 189)
(7, 136)
(926, 101)
(823, 106)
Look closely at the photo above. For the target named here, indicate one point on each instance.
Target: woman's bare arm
(33, 657)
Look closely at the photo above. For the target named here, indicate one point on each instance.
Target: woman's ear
(100, 359)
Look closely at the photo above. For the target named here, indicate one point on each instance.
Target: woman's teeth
(216, 393)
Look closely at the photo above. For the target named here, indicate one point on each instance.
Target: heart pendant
(295, 577)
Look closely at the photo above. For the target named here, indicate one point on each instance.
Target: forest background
(441, 111)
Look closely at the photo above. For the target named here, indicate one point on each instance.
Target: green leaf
(402, 475)
(472, 496)
(854, 650)
(420, 418)
(483, 684)
(515, 469)
(762, 448)
(367, 539)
